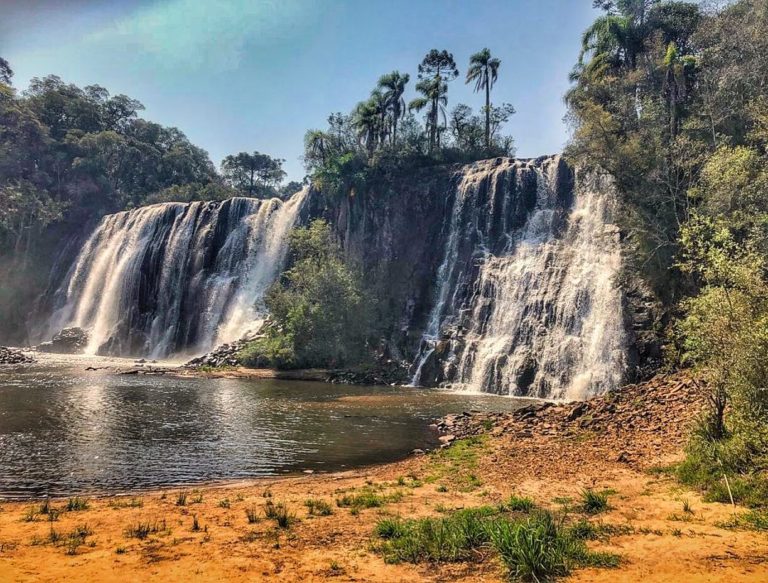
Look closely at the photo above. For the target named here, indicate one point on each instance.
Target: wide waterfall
(176, 277)
(526, 299)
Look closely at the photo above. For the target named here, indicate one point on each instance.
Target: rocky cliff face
(500, 276)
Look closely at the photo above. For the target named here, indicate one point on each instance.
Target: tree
(484, 70)
(255, 174)
(319, 315)
(434, 99)
(367, 120)
(393, 85)
(435, 71)
(6, 73)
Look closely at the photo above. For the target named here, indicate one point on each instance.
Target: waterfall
(176, 277)
(526, 299)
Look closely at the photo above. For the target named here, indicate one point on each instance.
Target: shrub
(319, 315)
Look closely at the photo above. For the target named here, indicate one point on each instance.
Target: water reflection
(64, 431)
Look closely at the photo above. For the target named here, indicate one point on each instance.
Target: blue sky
(249, 75)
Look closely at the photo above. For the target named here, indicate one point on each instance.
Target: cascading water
(174, 277)
(531, 306)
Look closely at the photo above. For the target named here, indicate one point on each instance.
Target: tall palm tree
(366, 120)
(317, 144)
(393, 85)
(677, 73)
(612, 39)
(484, 70)
(433, 91)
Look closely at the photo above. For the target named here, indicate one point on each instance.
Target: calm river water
(64, 430)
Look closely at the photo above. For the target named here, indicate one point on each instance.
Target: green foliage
(536, 548)
(593, 502)
(661, 102)
(519, 504)
(367, 498)
(253, 174)
(319, 313)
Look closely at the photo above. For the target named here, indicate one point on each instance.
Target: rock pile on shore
(14, 356)
(224, 355)
(660, 411)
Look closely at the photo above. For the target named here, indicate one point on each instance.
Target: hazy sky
(240, 75)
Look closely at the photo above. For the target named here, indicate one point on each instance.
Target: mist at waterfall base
(175, 278)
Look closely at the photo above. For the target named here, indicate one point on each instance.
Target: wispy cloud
(198, 34)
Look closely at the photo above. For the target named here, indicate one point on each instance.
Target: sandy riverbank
(549, 455)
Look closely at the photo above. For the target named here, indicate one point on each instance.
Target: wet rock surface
(14, 356)
(387, 373)
(68, 341)
(224, 355)
(659, 411)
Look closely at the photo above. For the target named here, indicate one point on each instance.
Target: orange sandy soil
(521, 457)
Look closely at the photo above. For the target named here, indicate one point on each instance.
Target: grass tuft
(367, 498)
(518, 504)
(75, 504)
(593, 502)
(279, 513)
(253, 514)
(142, 530)
(317, 507)
(181, 498)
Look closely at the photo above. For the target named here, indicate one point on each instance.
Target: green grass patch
(367, 497)
(518, 504)
(458, 463)
(127, 503)
(752, 520)
(537, 547)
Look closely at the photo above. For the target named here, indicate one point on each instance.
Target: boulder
(68, 341)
